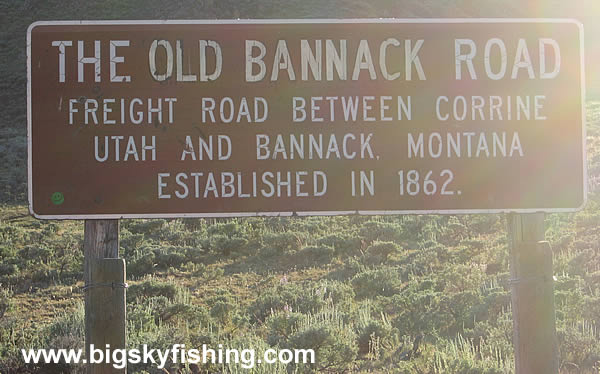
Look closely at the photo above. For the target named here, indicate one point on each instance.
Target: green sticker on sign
(57, 198)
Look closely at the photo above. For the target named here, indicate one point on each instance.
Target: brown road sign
(270, 117)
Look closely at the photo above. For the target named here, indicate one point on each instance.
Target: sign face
(282, 117)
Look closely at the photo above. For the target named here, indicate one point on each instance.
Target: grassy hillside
(396, 294)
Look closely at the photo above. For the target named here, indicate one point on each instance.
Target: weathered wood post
(104, 275)
(534, 325)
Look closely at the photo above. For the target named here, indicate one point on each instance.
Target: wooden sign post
(104, 274)
(534, 339)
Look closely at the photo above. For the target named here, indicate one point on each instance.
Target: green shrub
(581, 261)
(373, 331)
(68, 325)
(141, 265)
(276, 299)
(243, 341)
(315, 255)
(35, 254)
(333, 341)
(153, 287)
(226, 245)
(8, 270)
(415, 310)
(460, 310)
(6, 302)
(283, 242)
(383, 281)
(227, 238)
(161, 337)
(223, 308)
(43, 274)
(350, 267)
(378, 252)
(7, 252)
(306, 297)
(485, 223)
(228, 229)
(194, 255)
(170, 257)
(280, 325)
(143, 315)
(344, 243)
(130, 243)
(150, 228)
(383, 231)
(419, 263)
(579, 346)
(465, 356)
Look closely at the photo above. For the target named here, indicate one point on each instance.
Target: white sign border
(307, 21)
